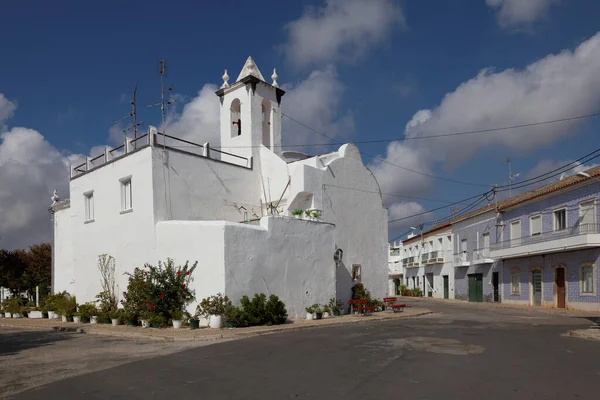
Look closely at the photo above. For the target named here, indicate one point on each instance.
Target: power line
(383, 160)
(391, 194)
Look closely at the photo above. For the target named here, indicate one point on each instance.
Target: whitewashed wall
(64, 268)
(283, 256)
(129, 238)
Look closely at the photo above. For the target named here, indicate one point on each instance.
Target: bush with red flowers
(160, 290)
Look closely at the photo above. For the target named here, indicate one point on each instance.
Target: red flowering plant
(167, 287)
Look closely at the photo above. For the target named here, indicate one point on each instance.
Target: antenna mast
(511, 177)
(162, 70)
(133, 111)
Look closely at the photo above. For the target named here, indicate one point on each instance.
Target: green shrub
(88, 310)
(214, 305)
(359, 292)
(260, 311)
(14, 305)
(53, 301)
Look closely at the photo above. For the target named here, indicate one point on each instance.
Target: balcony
(461, 259)
(411, 262)
(576, 237)
(482, 256)
(436, 257)
(424, 258)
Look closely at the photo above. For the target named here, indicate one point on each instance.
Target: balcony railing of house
(412, 262)
(462, 258)
(154, 138)
(424, 257)
(436, 257)
(394, 252)
(481, 254)
(405, 261)
(576, 230)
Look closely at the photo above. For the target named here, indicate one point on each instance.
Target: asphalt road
(463, 352)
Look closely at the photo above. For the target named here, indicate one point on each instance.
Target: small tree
(108, 297)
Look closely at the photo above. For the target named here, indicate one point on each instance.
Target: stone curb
(222, 336)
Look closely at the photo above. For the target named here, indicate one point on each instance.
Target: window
(515, 282)
(560, 219)
(486, 241)
(535, 225)
(587, 215)
(515, 233)
(587, 279)
(88, 198)
(356, 272)
(126, 200)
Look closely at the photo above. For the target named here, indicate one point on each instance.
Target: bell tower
(250, 112)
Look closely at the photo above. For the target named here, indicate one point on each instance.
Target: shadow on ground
(12, 342)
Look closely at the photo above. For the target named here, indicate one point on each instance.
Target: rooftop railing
(157, 139)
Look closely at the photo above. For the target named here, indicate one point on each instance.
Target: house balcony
(461, 260)
(577, 237)
(435, 257)
(482, 256)
(424, 258)
(411, 262)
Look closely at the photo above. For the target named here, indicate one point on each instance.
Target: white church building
(227, 207)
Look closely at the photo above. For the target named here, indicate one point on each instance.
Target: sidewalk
(203, 334)
(487, 304)
(590, 334)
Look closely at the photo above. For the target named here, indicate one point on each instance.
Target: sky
(390, 71)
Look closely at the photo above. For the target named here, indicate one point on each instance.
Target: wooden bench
(366, 310)
(398, 307)
(359, 304)
(389, 302)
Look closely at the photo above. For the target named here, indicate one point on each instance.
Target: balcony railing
(481, 255)
(582, 229)
(395, 252)
(461, 258)
(405, 261)
(424, 257)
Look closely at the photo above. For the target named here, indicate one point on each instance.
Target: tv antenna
(511, 177)
(133, 112)
(162, 70)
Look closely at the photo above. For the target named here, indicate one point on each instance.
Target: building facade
(395, 269)
(550, 245)
(229, 208)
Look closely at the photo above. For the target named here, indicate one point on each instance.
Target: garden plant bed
(203, 334)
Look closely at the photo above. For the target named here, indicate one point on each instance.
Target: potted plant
(318, 311)
(145, 318)
(326, 311)
(157, 320)
(297, 213)
(130, 316)
(1, 311)
(116, 316)
(214, 307)
(335, 307)
(88, 312)
(14, 307)
(316, 215)
(308, 214)
(177, 316)
(310, 312)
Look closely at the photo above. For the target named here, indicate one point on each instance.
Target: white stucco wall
(64, 273)
(197, 188)
(283, 256)
(128, 237)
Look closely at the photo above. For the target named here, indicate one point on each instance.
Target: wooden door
(536, 283)
(560, 288)
(476, 288)
(446, 287)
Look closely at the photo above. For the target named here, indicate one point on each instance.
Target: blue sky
(355, 70)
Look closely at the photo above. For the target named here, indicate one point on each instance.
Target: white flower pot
(145, 323)
(176, 323)
(17, 315)
(7, 315)
(309, 316)
(115, 321)
(203, 322)
(94, 319)
(216, 321)
(77, 320)
(63, 318)
(325, 315)
(35, 315)
(50, 314)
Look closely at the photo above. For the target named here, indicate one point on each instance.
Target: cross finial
(275, 77)
(225, 79)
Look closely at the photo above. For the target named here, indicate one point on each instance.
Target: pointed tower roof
(250, 68)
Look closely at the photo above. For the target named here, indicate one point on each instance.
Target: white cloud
(30, 169)
(315, 102)
(341, 30)
(556, 86)
(405, 211)
(7, 109)
(513, 13)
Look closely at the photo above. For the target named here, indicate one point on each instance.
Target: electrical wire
(383, 160)
(391, 194)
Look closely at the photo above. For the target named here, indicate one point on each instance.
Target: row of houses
(540, 248)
